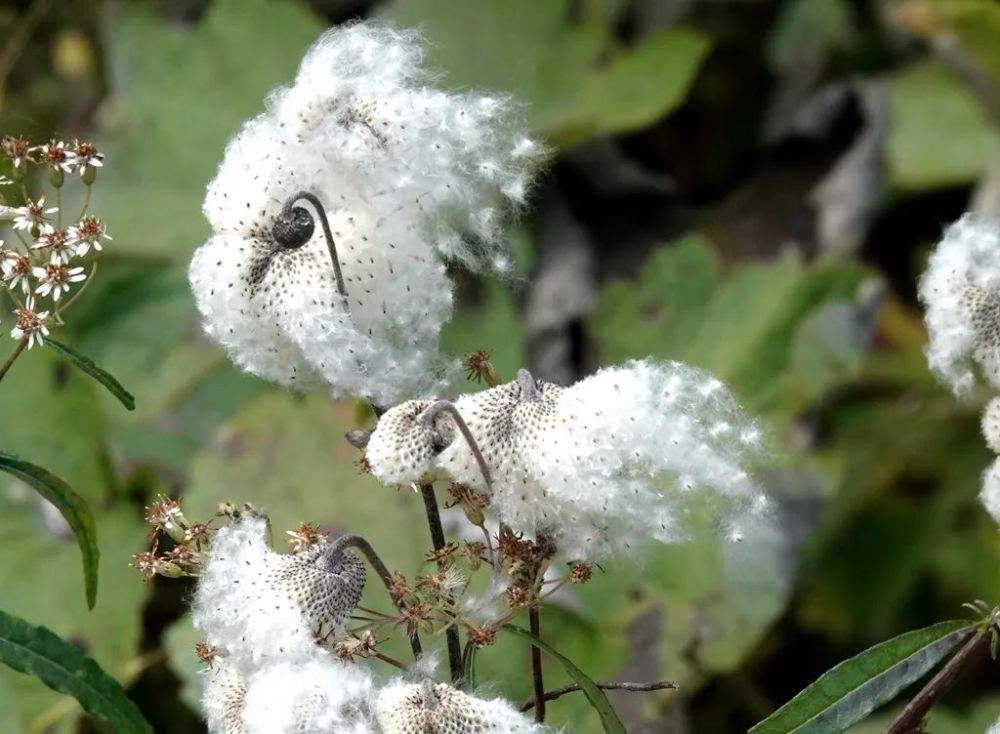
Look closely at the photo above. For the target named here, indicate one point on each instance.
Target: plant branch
(611, 686)
(910, 718)
(13, 357)
(437, 539)
(534, 618)
(356, 541)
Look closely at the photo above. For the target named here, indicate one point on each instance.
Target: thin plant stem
(535, 620)
(330, 243)
(438, 541)
(72, 300)
(664, 685)
(86, 202)
(909, 719)
(59, 207)
(356, 541)
(388, 659)
(18, 350)
(446, 406)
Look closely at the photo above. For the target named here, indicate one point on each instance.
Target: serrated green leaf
(597, 698)
(70, 505)
(64, 668)
(846, 694)
(87, 365)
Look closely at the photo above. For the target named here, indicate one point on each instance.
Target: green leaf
(64, 668)
(72, 507)
(561, 59)
(612, 724)
(849, 692)
(940, 135)
(87, 365)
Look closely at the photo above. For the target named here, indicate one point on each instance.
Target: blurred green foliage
(858, 425)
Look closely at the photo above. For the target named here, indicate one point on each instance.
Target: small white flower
(86, 155)
(16, 270)
(88, 232)
(55, 155)
(59, 243)
(17, 149)
(55, 278)
(30, 324)
(34, 214)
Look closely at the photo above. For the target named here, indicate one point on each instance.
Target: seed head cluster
(615, 458)
(408, 177)
(960, 291)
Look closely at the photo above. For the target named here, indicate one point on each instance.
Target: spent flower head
(33, 217)
(88, 233)
(58, 243)
(55, 278)
(55, 156)
(17, 149)
(17, 270)
(87, 157)
(30, 324)
(406, 176)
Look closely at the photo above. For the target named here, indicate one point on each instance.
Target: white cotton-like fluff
(990, 494)
(618, 458)
(991, 425)
(258, 606)
(995, 729)
(961, 293)
(223, 698)
(318, 696)
(418, 708)
(409, 176)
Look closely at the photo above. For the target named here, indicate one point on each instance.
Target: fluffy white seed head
(961, 293)
(437, 708)
(258, 606)
(991, 425)
(618, 457)
(990, 494)
(318, 696)
(223, 698)
(409, 177)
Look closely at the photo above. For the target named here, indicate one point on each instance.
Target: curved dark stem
(321, 213)
(535, 619)
(612, 686)
(446, 406)
(437, 539)
(911, 717)
(356, 541)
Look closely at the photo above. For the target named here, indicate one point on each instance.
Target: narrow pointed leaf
(596, 697)
(87, 365)
(72, 507)
(64, 668)
(847, 693)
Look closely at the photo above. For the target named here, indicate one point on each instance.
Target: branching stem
(438, 541)
(612, 686)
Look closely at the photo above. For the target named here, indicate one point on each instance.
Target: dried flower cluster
(44, 256)
(961, 293)
(278, 652)
(407, 176)
(596, 467)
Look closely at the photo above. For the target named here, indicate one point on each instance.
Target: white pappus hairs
(409, 177)
(257, 606)
(961, 293)
(616, 458)
(425, 708)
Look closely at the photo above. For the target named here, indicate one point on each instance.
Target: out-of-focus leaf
(577, 81)
(595, 696)
(849, 692)
(87, 365)
(179, 97)
(939, 135)
(71, 506)
(806, 32)
(974, 23)
(63, 667)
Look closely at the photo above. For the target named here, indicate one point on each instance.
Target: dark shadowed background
(747, 185)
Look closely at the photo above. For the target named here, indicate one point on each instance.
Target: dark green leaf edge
(612, 724)
(63, 667)
(72, 507)
(87, 365)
